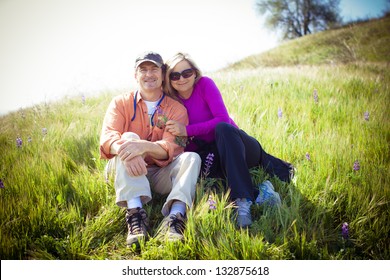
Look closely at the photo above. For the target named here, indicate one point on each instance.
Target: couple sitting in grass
(159, 136)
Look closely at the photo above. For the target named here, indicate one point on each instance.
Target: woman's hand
(176, 128)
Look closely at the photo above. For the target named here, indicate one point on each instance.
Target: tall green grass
(56, 203)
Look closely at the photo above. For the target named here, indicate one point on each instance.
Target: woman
(213, 131)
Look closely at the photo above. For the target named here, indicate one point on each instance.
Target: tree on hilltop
(297, 18)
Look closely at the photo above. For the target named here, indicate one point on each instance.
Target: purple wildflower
(315, 96)
(161, 118)
(208, 163)
(345, 230)
(280, 113)
(161, 121)
(19, 142)
(307, 156)
(44, 131)
(1, 184)
(212, 203)
(366, 116)
(83, 99)
(356, 165)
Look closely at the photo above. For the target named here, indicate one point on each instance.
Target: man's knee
(191, 159)
(130, 135)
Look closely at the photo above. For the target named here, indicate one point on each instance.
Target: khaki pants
(177, 180)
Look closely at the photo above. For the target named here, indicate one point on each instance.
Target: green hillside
(361, 42)
(331, 120)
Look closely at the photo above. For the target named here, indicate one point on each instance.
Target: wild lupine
(19, 142)
(307, 156)
(83, 99)
(208, 163)
(161, 121)
(345, 230)
(315, 96)
(1, 184)
(161, 118)
(356, 165)
(366, 116)
(280, 113)
(212, 203)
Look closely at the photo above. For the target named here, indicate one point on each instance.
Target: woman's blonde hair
(170, 64)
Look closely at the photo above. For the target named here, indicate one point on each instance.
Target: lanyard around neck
(135, 107)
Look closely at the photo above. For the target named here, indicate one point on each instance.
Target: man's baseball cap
(151, 57)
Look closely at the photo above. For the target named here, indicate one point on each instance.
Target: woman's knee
(223, 128)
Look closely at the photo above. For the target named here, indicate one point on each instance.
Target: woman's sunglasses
(175, 76)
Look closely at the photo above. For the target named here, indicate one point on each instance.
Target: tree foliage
(297, 18)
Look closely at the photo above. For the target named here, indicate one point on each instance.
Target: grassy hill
(330, 119)
(361, 42)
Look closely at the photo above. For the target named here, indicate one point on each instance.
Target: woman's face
(184, 85)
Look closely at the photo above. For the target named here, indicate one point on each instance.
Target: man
(146, 156)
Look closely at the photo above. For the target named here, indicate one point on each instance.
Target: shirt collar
(139, 97)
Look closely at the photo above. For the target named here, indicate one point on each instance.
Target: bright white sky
(50, 48)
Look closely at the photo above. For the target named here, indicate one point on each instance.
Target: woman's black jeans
(237, 152)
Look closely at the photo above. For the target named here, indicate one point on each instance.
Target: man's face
(149, 76)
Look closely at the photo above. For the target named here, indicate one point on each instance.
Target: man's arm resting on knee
(128, 149)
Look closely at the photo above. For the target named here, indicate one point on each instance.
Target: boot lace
(134, 220)
(177, 224)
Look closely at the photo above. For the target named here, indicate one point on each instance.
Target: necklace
(135, 107)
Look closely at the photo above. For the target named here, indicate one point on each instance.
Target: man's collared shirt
(118, 120)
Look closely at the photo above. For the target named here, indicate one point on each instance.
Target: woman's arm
(215, 110)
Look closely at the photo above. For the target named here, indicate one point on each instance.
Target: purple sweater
(205, 109)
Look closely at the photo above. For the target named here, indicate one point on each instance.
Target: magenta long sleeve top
(205, 109)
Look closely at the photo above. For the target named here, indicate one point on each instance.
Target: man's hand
(136, 166)
(132, 154)
(176, 128)
(132, 148)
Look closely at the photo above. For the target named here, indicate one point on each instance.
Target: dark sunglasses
(175, 76)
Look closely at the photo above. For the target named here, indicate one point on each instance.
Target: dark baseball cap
(151, 57)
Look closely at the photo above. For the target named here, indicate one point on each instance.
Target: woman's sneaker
(244, 217)
(268, 195)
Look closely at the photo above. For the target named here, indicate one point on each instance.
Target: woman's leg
(276, 167)
(238, 152)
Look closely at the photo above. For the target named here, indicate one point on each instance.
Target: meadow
(330, 119)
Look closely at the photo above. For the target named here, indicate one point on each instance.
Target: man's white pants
(177, 179)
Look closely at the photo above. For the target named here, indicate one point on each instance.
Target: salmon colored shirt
(118, 121)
